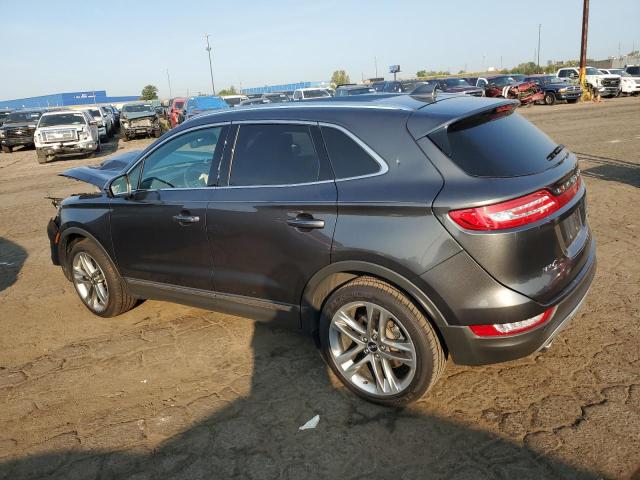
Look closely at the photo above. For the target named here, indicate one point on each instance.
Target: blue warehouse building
(66, 100)
(285, 88)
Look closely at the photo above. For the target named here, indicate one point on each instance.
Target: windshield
(138, 108)
(208, 103)
(518, 77)
(18, 117)
(62, 119)
(316, 93)
(231, 101)
(455, 82)
(95, 112)
(592, 71)
(502, 81)
(551, 79)
(277, 98)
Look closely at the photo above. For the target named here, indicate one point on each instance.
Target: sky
(120, 46)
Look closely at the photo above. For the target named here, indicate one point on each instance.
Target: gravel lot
(167, 391)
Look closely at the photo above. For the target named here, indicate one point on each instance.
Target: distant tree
(149, 92)
(527, 68)
(340, 77)
(228, 91)
(461, 71)
(431, 73)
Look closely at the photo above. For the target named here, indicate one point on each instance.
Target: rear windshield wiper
(554, 153)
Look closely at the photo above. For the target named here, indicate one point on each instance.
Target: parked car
(397, 231)
(276, 97)
(511, 86)
(116, 116)
(253, 101)
(3, 115)
(377, 86)
(400, 86)
(309, 93)
(630, 80)
(110, 119)
(139, 119)
(555, 89)
(203, 104)
(350, 90)
(175, 109)
(611, 71)
(606, 85)
(66, 133)
(18, 129)
(633, 70)
(457, 85)
(102, 120)
(234, 100)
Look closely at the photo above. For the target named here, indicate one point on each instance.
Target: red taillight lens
(502, 329)
(516, 212)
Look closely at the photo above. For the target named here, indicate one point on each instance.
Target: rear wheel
(96, 280)
(549, 98)
(379, 343)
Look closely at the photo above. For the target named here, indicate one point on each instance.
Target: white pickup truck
(607, 85)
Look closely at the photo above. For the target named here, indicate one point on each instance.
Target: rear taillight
(519, 211)
(502, 329)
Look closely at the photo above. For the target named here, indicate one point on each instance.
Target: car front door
(271, 225)
(159, 231)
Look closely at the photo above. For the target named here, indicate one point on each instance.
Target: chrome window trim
(156, 147)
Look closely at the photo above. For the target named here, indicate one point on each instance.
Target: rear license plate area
(571, 227)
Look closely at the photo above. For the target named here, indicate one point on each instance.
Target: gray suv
(397, 230)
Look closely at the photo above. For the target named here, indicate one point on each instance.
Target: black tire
(99, 147)
(119, 301)
(42, 159)
(549, 98)
(430, 356)
(6, 149)
(573, 100)
(125, 138)
(157, 133)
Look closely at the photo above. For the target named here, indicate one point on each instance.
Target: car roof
(353, 87)
(58, 112)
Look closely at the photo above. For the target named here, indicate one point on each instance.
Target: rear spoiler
(447, 111)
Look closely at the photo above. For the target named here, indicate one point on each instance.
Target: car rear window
(492, 144)
(347, 157)
(633, 70)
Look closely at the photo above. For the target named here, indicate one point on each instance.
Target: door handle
(305, 222)
(186, 218)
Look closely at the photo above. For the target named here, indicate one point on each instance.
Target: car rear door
(159, 231)
(272, 221)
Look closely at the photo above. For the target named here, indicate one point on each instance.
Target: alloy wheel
(372, 349)
(90, 282)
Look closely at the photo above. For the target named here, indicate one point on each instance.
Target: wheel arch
(333, 276)
(68, 238)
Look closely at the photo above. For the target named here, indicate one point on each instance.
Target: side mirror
(120, 186)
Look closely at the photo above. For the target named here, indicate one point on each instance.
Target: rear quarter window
(347, 157)
(496, 145)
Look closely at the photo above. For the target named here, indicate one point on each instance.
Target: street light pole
(208, 49)
(539, 27)
(169, 81)
(583, 43)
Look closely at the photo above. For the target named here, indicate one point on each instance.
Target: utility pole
(583, 43)
(539, 28)
(208, 49)
(375, 63)
(169, 81)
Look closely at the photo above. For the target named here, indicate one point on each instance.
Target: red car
(511, 86)
(176, 107)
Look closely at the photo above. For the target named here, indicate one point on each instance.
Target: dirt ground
(167, 391)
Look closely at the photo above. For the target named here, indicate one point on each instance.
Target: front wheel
(549, 98)
(96, 280)
(379, 343)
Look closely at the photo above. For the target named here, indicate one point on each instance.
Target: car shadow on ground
(257, 436)
(12, 258)
(611, 169)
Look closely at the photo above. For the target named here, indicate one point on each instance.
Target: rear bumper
(466, 348)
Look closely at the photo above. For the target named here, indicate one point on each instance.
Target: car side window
(274, 154)
(347, 157)
(563, 73)
(183, 162)
(482, 82)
